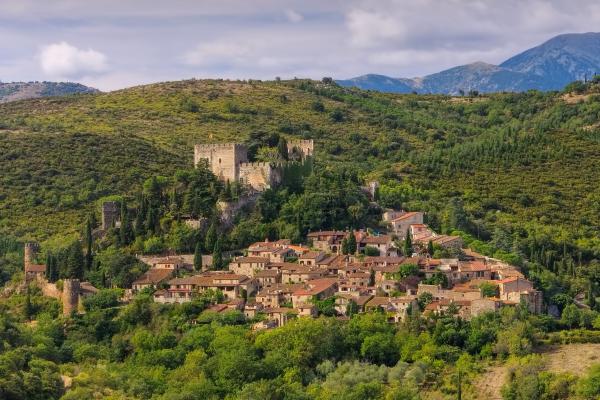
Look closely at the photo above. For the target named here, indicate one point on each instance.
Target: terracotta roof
(383, 239)
(312, 254)
(153, 276)
(36, 268)
(251, 260)
(316, 286)
(405, 216)
(473, 266)
(326, 233)
(267, 273)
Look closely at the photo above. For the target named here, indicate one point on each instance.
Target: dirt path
(573, 358)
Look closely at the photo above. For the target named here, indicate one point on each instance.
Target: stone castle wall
(305, 147)
(260, 175)
(110, 214)
(229, 162)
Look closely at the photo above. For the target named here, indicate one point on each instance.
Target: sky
(112, 44)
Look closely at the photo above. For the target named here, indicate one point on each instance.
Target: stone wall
(110, 214)
(304, 147)
(260, 175)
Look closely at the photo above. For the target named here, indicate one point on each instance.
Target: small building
(152, 279)
(248, 265)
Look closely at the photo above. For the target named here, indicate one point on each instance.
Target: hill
(26, 90)
(523, 161)
(549, 66)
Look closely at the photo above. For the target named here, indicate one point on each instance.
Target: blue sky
(111, 44)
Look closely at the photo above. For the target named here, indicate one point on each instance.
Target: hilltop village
(337, 273)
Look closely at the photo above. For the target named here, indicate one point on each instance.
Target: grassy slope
(57, 156)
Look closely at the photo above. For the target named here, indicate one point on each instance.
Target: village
(351, 271)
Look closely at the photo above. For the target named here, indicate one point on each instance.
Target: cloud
(217, 53)
(62, 60)
(293, 16)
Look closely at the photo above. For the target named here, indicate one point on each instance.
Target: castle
(229, 162)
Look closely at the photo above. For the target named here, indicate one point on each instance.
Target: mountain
(513, 158)
(26, 90)
(549, 66)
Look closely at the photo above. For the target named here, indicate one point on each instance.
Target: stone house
(317, 289)
(248, 265)
(402, 223)
(327, 241)
(152, 278)
(311, 258)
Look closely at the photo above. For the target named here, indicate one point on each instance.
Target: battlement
(218, 146)
(262, 164)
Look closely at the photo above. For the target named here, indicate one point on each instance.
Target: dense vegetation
(512, 173)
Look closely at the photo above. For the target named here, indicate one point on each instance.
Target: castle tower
(110, 214)
(70, 296)
(300, 148)
(223, 159)
(29, 253)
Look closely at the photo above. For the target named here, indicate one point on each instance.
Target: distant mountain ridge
(13, 91)
(549, 66)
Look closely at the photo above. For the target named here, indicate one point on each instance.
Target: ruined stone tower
(223, 159)
(70, 296)
(301, 149)
(110, 214)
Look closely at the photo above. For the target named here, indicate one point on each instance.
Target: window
(219, 161)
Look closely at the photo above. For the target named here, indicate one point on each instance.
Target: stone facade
(70, 296)
(110, 214)
(229, 162)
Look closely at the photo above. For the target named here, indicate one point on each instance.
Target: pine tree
(408, 248)
(217, 259)
(211, 237)
(198, 258)
(89, 243)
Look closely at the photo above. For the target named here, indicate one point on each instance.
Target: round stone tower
(70, 296)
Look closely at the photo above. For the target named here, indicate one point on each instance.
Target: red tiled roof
(36, 268)
(316, 286)
(405, 216)
(153, 276)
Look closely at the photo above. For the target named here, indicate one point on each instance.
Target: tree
(217, 257)
(430, 249)
(126, 230)
(352, 308)
(89, 243)
(408, 247)
(74, 261)
(211, 237)
(488, 289)
(351, 244)
(28, 308)
(282, 148)
(198, 258)
(372, 277)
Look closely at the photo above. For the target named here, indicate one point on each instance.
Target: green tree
(351, 244)
(74, 261)
(211, 237)
(89, 241)
(282, 148)
(407, 248)
(430, 249)
(198, 258)
(126, 230)
(217, 256)
(352, 308)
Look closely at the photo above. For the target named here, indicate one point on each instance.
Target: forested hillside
(527, 160)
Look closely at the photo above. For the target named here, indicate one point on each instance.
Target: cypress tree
(217, 261)
(75, 261)
(408, 248)
(126, 231)
(282, 148)
(28, 309)
(345, 246)
(372, 278)
(352, 246)
(211, 237)
(197, 258)
(430, 249)
(89, 243)
(49, 272)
